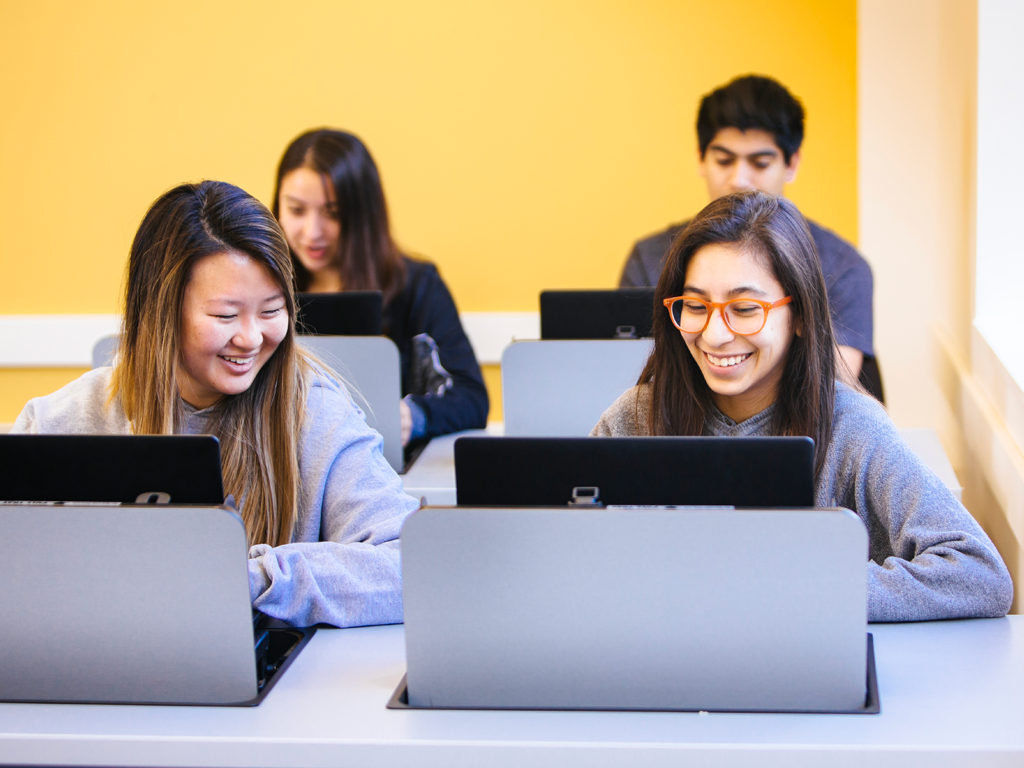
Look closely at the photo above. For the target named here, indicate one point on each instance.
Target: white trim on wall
(66, 341)
(52, 341)
(491, 332)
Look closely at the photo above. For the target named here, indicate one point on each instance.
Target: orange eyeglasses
(742, 316)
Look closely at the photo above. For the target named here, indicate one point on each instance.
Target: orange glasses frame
(720, 306)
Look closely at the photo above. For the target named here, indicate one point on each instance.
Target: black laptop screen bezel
(642, 471)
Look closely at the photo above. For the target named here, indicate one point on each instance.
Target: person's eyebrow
(762, 153)
(743, 290)
(299, 201)
(723, 150)
(746, 290)
(235, 303)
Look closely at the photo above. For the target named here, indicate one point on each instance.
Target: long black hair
(773, 230)
(368, 257)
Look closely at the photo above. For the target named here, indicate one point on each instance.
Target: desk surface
(951, 693)
(432, 476)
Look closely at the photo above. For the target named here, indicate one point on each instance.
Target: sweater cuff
(259, 581)
(419, 418)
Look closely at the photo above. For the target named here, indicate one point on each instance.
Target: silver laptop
(636, 609)
(561, 388)
(134, 604)
(372, 370)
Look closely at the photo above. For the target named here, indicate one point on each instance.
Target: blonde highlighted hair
(259, 428)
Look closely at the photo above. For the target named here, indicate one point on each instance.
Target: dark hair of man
(772, 230)
(752, 103)
(369, 259)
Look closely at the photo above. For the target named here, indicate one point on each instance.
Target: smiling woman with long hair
(743, 346)
(330, 201)
(208, 346)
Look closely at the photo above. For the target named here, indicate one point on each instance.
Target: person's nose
(314, 227)
(742, 176)
(249, 335)
(717, 332)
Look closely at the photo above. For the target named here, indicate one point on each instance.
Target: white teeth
(725, 362)
(237, 360)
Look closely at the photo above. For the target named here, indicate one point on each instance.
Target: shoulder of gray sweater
(856, 412)
(80, 407)
(621, 417)
(862, 429)
(326, 389)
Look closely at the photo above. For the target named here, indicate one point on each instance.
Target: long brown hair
(258, 429)
(368, 257)
(772, 229)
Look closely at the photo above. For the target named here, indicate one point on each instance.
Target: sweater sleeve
(929, 559)
(850, 301)
(343, 565)
(643, 266)
(465, 404)
(634, 273)
(850, 286)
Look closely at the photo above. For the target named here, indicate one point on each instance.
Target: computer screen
(625, 313)
(111, 468)
(348, 313)
(663, 471)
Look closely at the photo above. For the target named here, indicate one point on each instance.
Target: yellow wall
(523, 145)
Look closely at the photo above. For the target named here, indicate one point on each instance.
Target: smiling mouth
(238, 360)
(727, 362)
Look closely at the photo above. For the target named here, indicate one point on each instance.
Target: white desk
(952, 694)
(432, 476)
(926, 444)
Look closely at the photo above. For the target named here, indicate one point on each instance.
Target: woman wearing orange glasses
(744, 347)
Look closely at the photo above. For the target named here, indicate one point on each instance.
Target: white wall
(1000, 246)
(915, 91)
(932, 126)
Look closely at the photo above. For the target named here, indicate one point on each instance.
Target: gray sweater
(929, 559)
(343, 565)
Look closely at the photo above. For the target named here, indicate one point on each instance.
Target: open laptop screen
(612, 314)
(349, 313)
(110, 468)
(699, 471)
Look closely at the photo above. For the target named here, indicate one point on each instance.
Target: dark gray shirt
(847, 279)
(929, 559)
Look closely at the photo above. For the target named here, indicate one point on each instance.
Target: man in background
(749, 133)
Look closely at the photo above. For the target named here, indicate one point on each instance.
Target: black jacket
(425, 306)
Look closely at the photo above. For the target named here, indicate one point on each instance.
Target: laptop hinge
(585, 496)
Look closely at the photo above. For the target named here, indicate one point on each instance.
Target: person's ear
(793, 167)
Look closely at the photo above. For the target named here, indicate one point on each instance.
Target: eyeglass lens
(742, 316)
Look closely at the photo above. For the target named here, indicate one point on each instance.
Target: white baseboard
(491, 332)
(66, 341)
(52, 341)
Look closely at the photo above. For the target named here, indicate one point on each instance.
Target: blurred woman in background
(330, 202)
